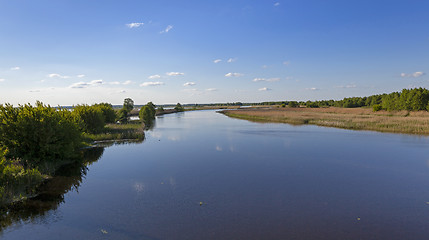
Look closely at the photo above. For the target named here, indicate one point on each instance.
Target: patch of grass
(114, 132)
(348, 118)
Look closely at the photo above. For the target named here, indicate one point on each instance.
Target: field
(348, 118)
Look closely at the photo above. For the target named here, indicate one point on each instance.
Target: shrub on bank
(38, 133)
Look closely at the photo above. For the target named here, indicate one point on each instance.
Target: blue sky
(70, 52)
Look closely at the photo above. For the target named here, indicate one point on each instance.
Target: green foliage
(39, 133)
(376, 108)
(160, 109)
(128, 104)
(122, 116)
(283, 105)
(179, 107)
(92, 118)
(293, 104)
(108, 112)
(147, 114)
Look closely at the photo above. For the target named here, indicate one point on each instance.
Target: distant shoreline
(347, 118)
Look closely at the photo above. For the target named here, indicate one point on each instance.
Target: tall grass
(348, 118)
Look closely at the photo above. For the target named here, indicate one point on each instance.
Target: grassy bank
(115, 132)
(347, 118)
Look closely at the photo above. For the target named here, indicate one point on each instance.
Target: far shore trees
(179, 107)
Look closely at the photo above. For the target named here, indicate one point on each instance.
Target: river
(202, 175)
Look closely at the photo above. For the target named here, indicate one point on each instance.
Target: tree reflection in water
(51, 194)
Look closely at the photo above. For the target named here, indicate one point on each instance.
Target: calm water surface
(201, 175)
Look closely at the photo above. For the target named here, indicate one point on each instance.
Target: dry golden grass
(349, 118)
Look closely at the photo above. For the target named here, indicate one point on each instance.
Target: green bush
(376, 108)
(39, 133)
(91, 117)
(108, 112)
(147, 114)
(179, 107)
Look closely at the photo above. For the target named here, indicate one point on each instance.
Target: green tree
(108, 112)
(179, 107)
(122, 116)
(91, 116)
(128, 104)
(293, 104)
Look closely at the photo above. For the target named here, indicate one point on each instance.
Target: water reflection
(51, 194)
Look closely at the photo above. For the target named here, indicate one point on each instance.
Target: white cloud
(264, 89)
(35, 90)
(80, 76)
(189, 84)
(415, 75)
(56, 75)
(231, 60)
(114, 83)
(154, 76)
(167, 29)
(87, 84)
(2, 79)
(15, 68)
(151, 84)
(312, 89)
(128, 82)
(276, 4)
(134, 25)
(286, 63)
(348, 86)
(122, 91)
(266, 79)
(175, 73)
(217, 61)
(233, 75)
(211, 89)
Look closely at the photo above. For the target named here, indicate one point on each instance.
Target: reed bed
(348, 118)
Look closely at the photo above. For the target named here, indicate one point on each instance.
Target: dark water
(201, 175)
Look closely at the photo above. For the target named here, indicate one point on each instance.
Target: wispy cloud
(56, 75)
(313, 89)
(122, 91)
(80, 75)
(151, 84)
(211, 89)
(35, 90)
(87, 84)
(175, 73)
(15, 68)
(264, 89)
(347, 86)
(276, 4)
(230, 60)
(217, 61)
(167, 29)
(156, 76)
(134, 25)
(2, 79)
(119, 83)
(233, 75)
(286, 63)
(415, 75)
(266, 79)
(189, 84)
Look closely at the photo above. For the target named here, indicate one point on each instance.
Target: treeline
(408, 99)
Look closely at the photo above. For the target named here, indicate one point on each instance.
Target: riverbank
(347, 118)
